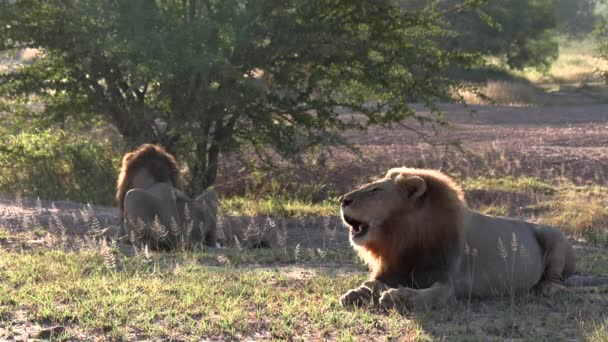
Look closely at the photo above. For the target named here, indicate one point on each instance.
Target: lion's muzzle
(357, 228)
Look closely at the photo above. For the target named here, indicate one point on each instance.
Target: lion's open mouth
(357, 228)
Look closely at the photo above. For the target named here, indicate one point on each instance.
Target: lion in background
(424, 247)
(153, 207)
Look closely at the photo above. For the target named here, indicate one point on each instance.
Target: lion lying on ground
(155, 210)
(424, 246)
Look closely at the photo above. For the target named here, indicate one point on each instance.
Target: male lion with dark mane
(424, 246)
(153, 207)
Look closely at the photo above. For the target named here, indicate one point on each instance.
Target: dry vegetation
(573, 79)
(543, 163)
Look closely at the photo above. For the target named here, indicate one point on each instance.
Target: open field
(546, 164)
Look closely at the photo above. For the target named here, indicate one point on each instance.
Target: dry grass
(578, 62)
(508, 92)
(574, 78)
(519, 93)
(581, 211)
(28, 54)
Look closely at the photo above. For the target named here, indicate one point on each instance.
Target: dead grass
(578, 62)
(511, 184)
(574, 78)
(580, 210)
(508, 92)
(521, 93)
(494, 209)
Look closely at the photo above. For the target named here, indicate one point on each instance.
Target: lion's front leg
(368, 291)
(402, 298)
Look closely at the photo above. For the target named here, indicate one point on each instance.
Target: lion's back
(501, 255)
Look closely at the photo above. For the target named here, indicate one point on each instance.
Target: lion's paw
(376, 287)
(551, 289)
(398, 299)
(356, 297)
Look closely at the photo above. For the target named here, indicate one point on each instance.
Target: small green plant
(280, 206)
(496, 210)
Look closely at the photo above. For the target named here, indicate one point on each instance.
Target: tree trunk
(204, 173)
(210, 174)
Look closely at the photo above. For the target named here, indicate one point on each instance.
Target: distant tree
(207, 77)
(519, 31)
(577, 17)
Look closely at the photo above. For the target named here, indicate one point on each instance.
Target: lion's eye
(375, 189)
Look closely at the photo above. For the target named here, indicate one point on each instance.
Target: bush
(55, 165)
(519, 31)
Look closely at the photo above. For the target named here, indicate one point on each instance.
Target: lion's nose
(346, 202)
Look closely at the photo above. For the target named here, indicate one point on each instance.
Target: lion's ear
(411, 187)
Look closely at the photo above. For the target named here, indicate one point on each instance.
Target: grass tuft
(277, 207)
(511, 184)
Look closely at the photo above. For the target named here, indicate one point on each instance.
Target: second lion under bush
(155, 210)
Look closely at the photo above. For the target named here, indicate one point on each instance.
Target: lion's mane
(156, 160)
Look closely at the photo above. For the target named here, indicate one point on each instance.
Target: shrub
(54, 165)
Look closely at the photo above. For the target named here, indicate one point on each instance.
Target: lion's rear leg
(558, 260)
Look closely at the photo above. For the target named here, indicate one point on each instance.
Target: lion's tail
(585, 281)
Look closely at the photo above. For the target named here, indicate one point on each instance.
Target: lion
(153, 206)
(425, 248)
